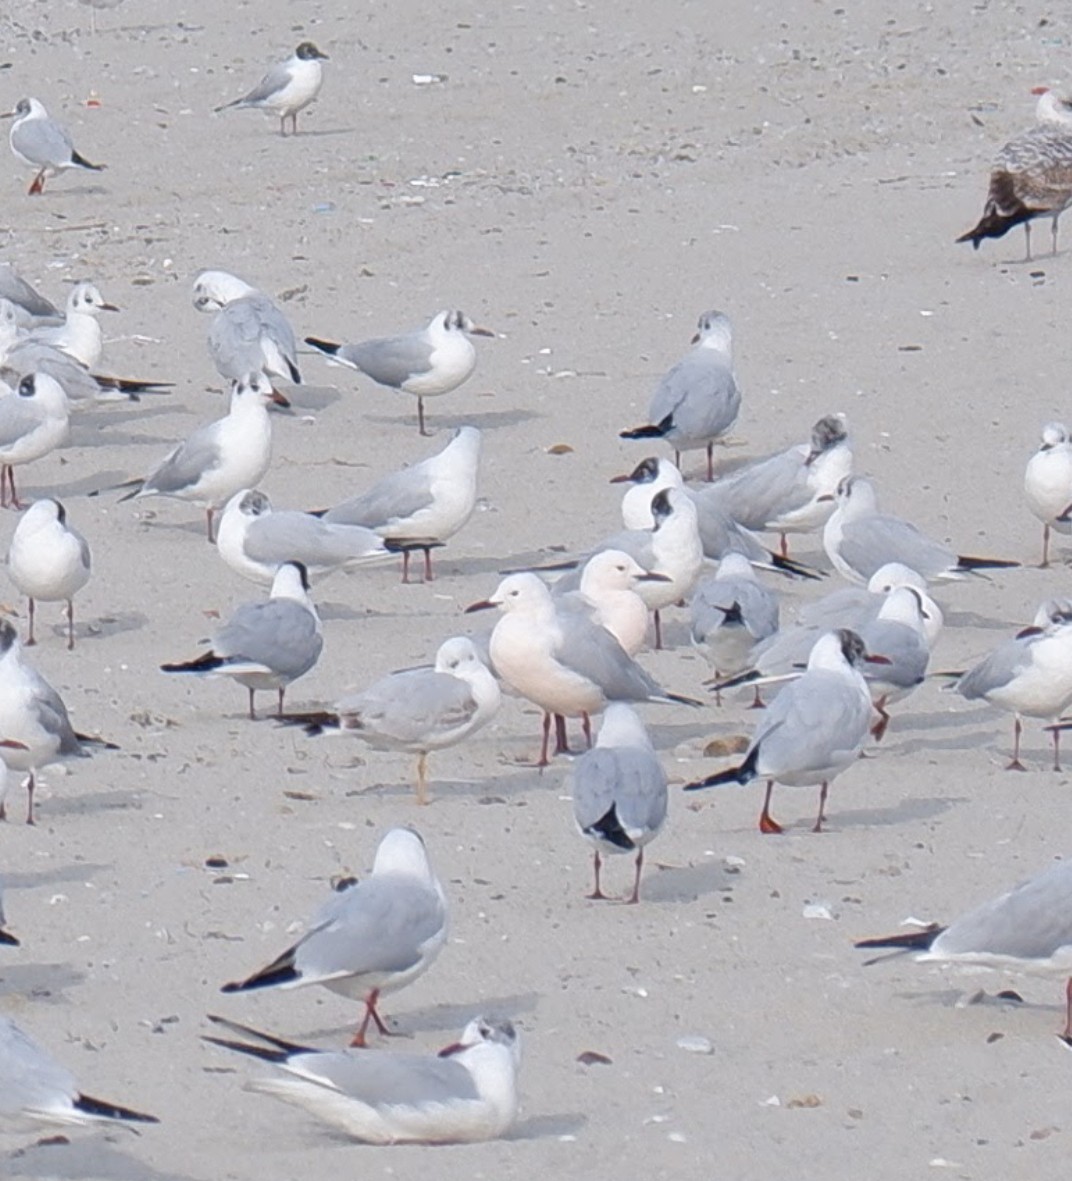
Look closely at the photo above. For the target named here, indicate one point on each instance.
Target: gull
(30, 305)
(608, 592)
(464, 1094)
(1029, 675)
(5, 936)
(858, 539)
(288, 87)
(221, 457)
(248, 334)
(899, 633)
(265, 645)
(42, 143)
(1048, 483)
(696, 403)
(619, 792)
(255, 540)
(561, 660)
(48, 560)
(813, 730)
(35, 1089)
(32, 425)
(1027, 929)
(418, 710)
(422, 506)
(372, 937)
(432, 361)
(33, 719)
(79, 336)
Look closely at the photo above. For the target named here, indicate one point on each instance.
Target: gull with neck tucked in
(33, 423)
(255, 540)
(248, 333)
(464, 1094)
(697, 402)
(48, 560)
(43, 143)
(562, 660)
(608, 592)
(371, 937)
(265, 645)
(288, 87)
(221, 457)
(899, 632)
(423, 506)
(417, 710)
(80, 335)
(432, 361)
(813, 730)
(1048, 484)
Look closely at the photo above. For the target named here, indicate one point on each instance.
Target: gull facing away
(1048, 484)
(813, 730)
(288, 87)
(42, 143)
(423, 506)
(697, 402)
(32, 425)
(1031, 176)
(80, 335)
(619, 792)
(248, 334)
(35, 1089)
(1027, 929)
(370, 938)
(427, 363)
(48, 560)
(418, 709)
(255, 540)
(265, 645)
(6, 938)
(562, 660)
(464, 1094)
(858, 539)
(33, 719)
(221, 457)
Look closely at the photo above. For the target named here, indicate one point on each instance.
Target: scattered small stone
(994, 1037)
(807, 1101)
(216, 861)
(720, 747)
(299, 795)
(593, 1058)
(560, 449)
(1043, 1133)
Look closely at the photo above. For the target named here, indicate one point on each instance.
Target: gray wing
(14, 288)
(635, 542)
(396, 497)
(1006, 662)
(52, 714)
(701, 393)
(627, 778)
(238, 333)
(786, 650)
(30, 1078)
(593, 652)
(183, 467)
(809, 723)
(720, 534)
(903, 646)
(32, 356)
(763, 491)
(281, 634)
(715, 596)
(1031, 921)
(274, 81)
(851, 606)
(873, 541)
(411, 706)
(292, 536)
(379, 925)
(391, 361)
(385, 1079)
(43, 141)
(18, 417)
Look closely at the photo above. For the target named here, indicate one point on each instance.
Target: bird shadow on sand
(77, 872)
(543, 1127)
(984, 622)
(97, 484)
(83, 1157)
(684, 883)
(45, 983)
(105, 626)
(88, 803)
(486, 791)
(313, 397)
(903, 812)
(488, 420)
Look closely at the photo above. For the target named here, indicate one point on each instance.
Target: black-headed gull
(43, 143)
(288, 87)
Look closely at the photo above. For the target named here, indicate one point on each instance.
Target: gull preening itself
(432, 361)
(42, 143)
(370, 938)
(248, 334)
(464, 1094)
(33, 423)
(288, 87)
(1048, 484)
(48, 560)
(697, 402)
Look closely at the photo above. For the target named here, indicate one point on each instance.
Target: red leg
(420, 415)
(38, 185)
(767, 824)
(30, 639)
(658, 631)
(208, 525)
(634, 898)
(30, 785)
(1068, 1010)
(710, 462)
(586, 726)
(358, 1040)
(279, 710)
(546, 740)
(878, 730)
(597, 894)
(252, 710)
(561, 739)
(1017, 729)
(405, 565)
(785, 546)
(757, 700)
(822, 808)
(1045, 547)
(427, 563)
(70, 625)
(1056, 749)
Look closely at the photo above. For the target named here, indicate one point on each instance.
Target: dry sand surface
(587, 179)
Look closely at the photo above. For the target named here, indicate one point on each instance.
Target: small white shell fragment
(817, 910)
(695, 1044)
(773, 1101)
(677, 1137)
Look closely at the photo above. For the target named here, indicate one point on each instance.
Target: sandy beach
(586, 179)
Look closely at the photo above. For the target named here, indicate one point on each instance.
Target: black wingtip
(103, 1110)
(796, 569)
(280, 971)
(967, 562)
(8, 939)
(642, 432)
(82, 162)
(608, 828)
(325, 346)
(906, 940)
(264, 1053)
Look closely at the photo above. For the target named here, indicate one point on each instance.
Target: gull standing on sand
(858, 539)
(35, 1089)
(562, 661)
(372, 937)
(248, 334)
(48, 560)
(1027, 929)
(418, 709)
(1031, 177)
(813, 730)
(265, 645)
(899, 633)
(619, 792)
(1048, 483)
(432, 361)
(608, 592)
(42, 143)
(422, 506)
(697, 401)
(288, 87)
(33, 423)
(221, 457)
(80, 335)
(255, 540)
(464, 1094)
